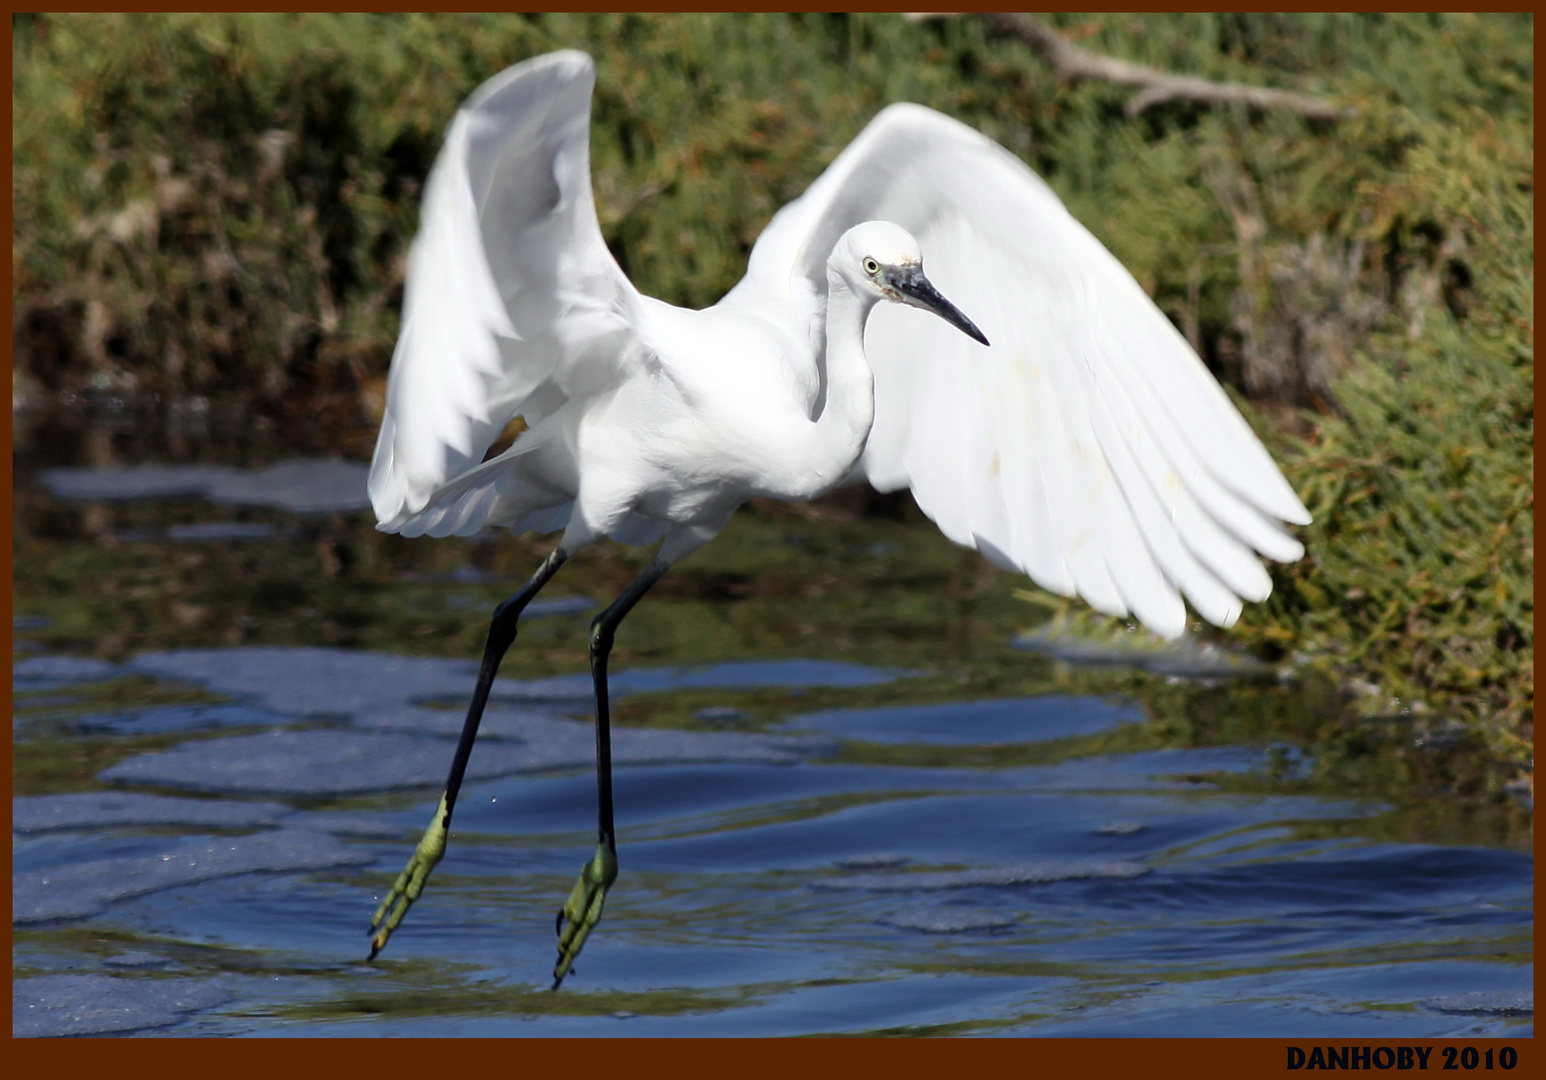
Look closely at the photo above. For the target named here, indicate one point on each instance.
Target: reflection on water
(847, 801)
(970, 723)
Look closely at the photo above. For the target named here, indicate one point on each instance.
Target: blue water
(973, 723)
(780, 899)
(853, 807)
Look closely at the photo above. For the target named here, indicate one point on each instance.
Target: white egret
(1087, 446)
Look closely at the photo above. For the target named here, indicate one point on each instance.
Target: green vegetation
(221, 205)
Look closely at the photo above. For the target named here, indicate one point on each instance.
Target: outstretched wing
(513, 302)
(1088, 446)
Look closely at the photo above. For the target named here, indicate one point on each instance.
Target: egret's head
(883, 260)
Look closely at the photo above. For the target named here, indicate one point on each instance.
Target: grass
(220, 206)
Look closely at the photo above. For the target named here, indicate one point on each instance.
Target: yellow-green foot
(582, 911)
(410, 883)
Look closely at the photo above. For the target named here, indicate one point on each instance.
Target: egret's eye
(871, 266)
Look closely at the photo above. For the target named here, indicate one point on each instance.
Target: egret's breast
(734, 392)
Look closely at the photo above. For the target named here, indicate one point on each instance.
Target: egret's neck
(849, 409)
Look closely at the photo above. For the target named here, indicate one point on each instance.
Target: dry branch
(1072, 62)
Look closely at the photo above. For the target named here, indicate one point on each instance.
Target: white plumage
(1088, 446)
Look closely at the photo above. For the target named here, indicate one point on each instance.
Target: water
(847, 802)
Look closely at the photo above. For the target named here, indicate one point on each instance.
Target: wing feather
(1088, 446)
(513, 302)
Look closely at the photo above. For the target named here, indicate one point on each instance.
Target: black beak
(920, 292)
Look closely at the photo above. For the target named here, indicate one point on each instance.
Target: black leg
(603, 630)
(501, 634)
(582, 912)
